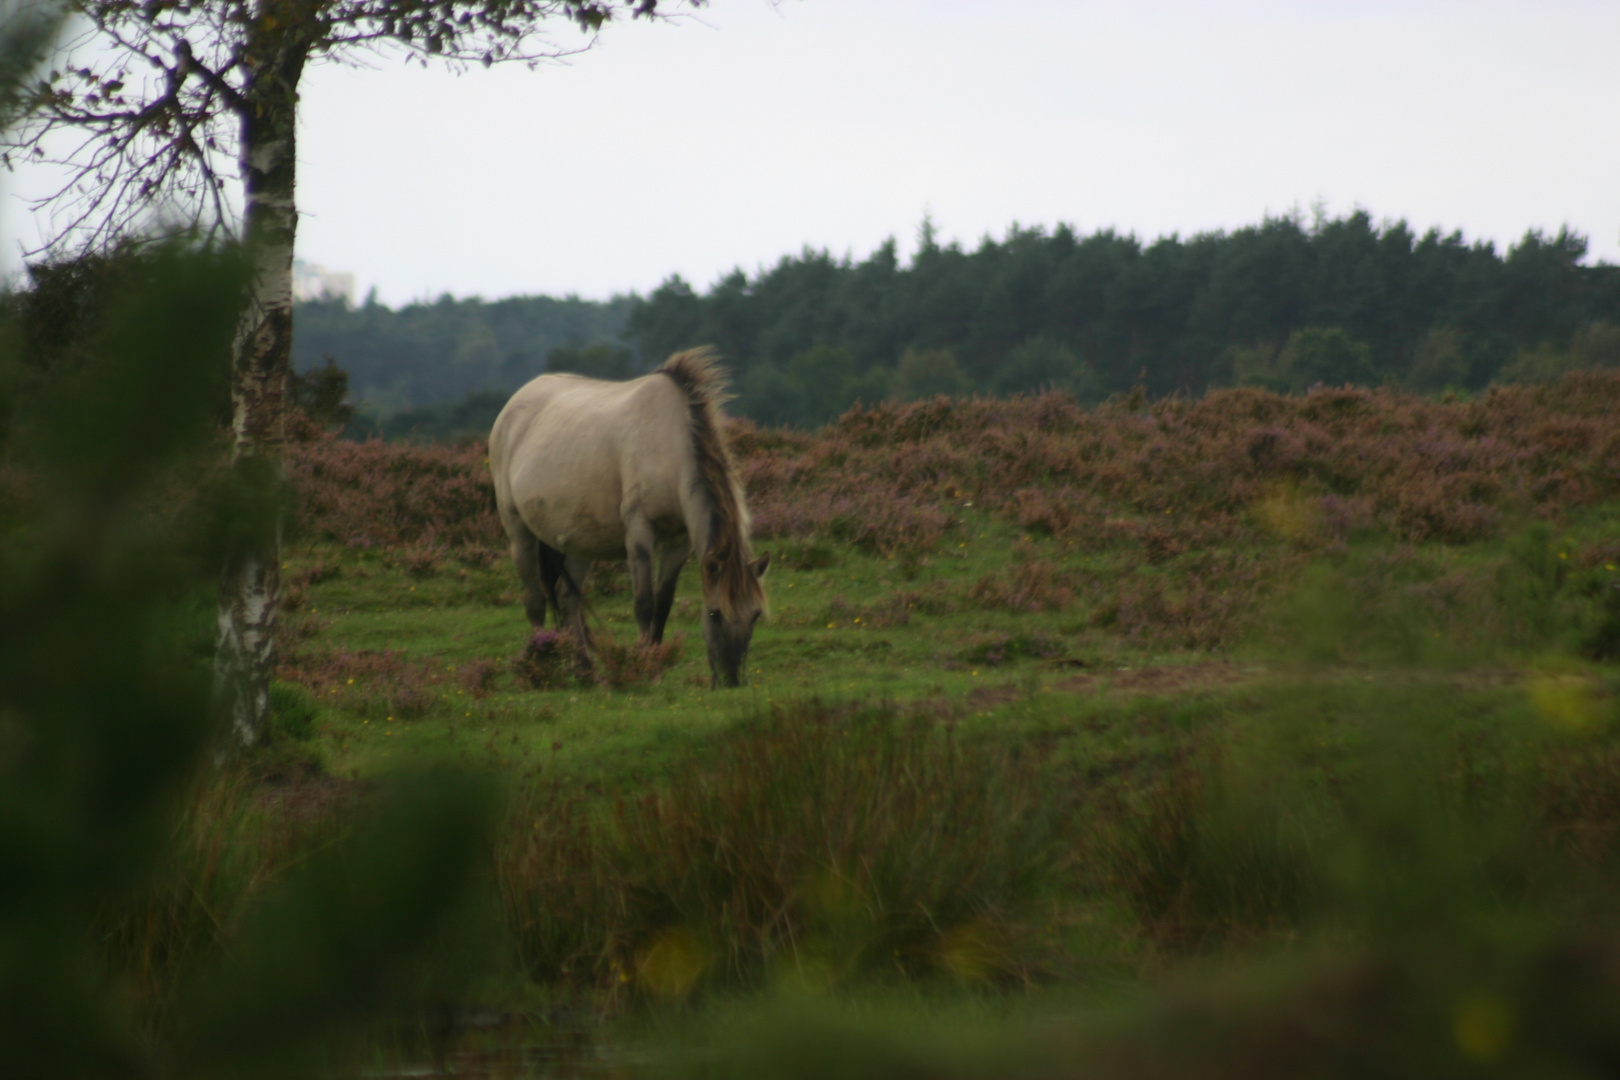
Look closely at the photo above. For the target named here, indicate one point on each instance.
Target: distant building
(311, 281)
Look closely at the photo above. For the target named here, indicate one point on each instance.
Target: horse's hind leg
(565, 581)
(527, 556)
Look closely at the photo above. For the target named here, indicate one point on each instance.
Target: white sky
(754, 130)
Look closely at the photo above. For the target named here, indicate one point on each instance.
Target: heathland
(1287, 720)
(1246, 734)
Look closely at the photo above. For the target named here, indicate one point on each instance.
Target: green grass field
(1397, 740)
(844, 628)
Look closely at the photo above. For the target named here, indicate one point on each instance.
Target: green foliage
(825, 379)
(1329, 357)
(426, 354)
(1169, 315)
(1311, 357)
(1602, 639)
(596, 361)
(1038, 364)
(1283, 305)
(926, 373)
(122, 952)
(1527, 587)
(292, 711)
(456, 421)
(1593, 346)
(321, 394)
(816, 387)
(1440, 361)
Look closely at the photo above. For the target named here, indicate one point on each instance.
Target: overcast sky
(757, 129)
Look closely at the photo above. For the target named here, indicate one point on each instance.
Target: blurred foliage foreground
(1387, 857)
(115, 829)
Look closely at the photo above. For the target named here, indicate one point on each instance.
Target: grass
(862, 630)
(1062, 751)
(832, 635)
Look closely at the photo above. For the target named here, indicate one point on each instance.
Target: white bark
(250, 587)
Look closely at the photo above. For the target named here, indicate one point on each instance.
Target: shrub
(550, 661)
(618, 666)
(1196, 610)
(1038, 585)
(477, 677)
(993, 650)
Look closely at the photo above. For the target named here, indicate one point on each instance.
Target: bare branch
(159, 103)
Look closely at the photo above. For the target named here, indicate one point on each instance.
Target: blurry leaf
(347, 934)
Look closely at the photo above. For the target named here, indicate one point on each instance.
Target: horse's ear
(760, 565)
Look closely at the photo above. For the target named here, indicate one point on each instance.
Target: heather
(1188, 473)
(894, 477)
(1170, 520)
(376, 493)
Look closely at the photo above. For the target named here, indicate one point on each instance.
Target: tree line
(427, 354)
(1284, 305)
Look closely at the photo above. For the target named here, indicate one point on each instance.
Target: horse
(590, 470)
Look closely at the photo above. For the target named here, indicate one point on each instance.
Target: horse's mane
(725, 565)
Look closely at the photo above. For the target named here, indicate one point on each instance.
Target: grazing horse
(587, 470)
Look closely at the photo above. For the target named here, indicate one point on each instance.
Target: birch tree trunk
(250, 586)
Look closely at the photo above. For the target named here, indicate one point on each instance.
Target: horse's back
(569, 454)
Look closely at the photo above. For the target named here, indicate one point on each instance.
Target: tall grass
(816, 844)
(232, 840)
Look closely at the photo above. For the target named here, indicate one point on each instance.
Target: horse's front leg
(639, 544)
(670, 561)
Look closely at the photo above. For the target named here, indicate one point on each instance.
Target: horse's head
(729, 615)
